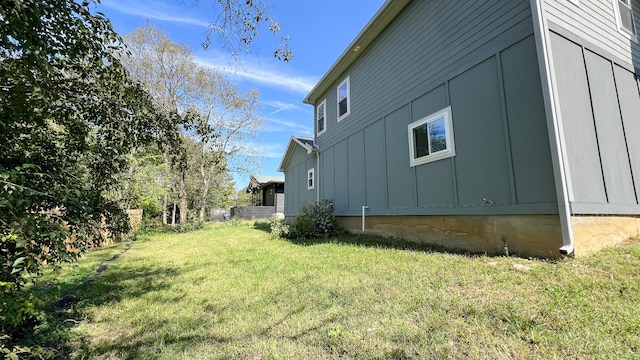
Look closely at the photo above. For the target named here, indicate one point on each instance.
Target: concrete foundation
(526, 235)
(592, 233)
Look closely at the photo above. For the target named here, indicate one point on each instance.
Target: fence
(253, 212)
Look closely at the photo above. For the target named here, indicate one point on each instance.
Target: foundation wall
(527, 235)
(592, 233)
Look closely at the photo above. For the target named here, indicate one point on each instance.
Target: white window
(624, 18)
(321, 122)
(577, 2)
(344, 99)
(310, 179)
(431, 138)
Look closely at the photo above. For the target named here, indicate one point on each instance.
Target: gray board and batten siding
(296, 191)
(480, 59)
(599, 100)
(595, 22)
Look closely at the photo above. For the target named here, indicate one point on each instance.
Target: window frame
(621, 29)
(323, 104)
(311, 175)
(347, 82)
(450, 150)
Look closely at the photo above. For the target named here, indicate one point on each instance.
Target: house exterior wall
(595, 22)
(296, 191)
(487, 71)
(280, 203)
(598, 98)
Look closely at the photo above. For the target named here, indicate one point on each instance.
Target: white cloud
(288, 127)
(280, 106)
(257, 71)
(154, 10)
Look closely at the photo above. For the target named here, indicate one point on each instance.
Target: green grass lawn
(231, 292)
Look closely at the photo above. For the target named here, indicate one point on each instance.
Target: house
(481, 125)
(267, 198)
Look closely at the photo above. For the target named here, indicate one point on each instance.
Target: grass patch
(230, 292)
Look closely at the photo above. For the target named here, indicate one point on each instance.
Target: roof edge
(289, 151)
(383, 17)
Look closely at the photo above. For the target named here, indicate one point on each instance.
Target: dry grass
(230, 292)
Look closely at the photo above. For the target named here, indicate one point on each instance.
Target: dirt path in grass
(71, 299)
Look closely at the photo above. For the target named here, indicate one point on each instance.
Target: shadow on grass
(262, 226)
(109, 284)
(379, 242)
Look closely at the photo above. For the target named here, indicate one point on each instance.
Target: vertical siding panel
(357, 179)
(577, 120)
(481, 159)
(302, 190)
(341, 201)
(436, 184)
(595, 21)
(401, 179)
(630, 109)
(435, 180)
(328, 174)
(530, 149)
(613, 152)
(375, 166)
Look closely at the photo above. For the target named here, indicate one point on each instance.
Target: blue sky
(319, 32)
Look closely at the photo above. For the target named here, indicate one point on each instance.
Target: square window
(625, 19)
(310, 179)
(344, 102)
(320, 117)
(431, 138)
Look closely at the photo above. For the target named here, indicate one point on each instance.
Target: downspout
(556, 136)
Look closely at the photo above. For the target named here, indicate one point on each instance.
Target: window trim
(450, 151)
(322, 104)
(311, 175)
(621, 29)
(346, 81)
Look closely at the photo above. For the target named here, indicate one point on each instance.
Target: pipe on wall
(364, 207)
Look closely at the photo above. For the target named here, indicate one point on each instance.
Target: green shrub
(314, 221)
(279, 227)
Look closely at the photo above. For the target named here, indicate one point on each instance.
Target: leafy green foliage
(279, 228)
(314, 221)
(69, 115)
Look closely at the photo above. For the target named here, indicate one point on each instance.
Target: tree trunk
(205, 192)
(164, 210)
(182, 194)
(173, 221)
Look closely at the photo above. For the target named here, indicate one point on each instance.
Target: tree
(164, 68)
(69, 115)
(221, 119)
(70, 119)
(238, 23)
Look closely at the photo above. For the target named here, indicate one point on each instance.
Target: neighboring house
(267, 198)
(267, 191)
(481, 124)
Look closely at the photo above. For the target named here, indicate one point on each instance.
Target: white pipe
(317, 179)
(363, 215)
(554, 120)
